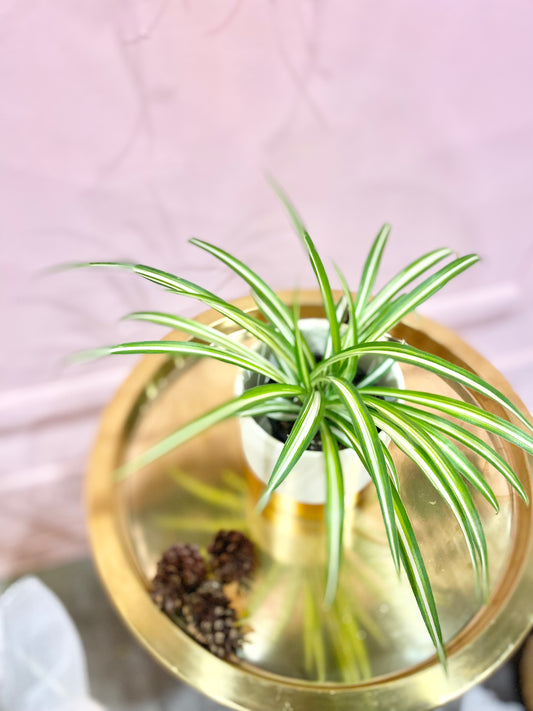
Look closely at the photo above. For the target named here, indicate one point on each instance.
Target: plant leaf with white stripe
(299, 351)
(464, 465)
(198, 330)
(411, 558)
(343, 430)
(350, 338)
(185, 287)
(370, 270)
(268, 301)
(408, 302)
(242, 404)
(373, 456)
(302, 432)
(419, 447)
(473, 442)
(185, 348)
(401, 280)
(318, 268)
(334, 509)
(377, 374)
(417, 575)
(407, 354)
(465, 411)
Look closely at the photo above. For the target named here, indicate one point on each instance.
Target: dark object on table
(212, 621)
(180, 570)
(193, 594)
(233, 556)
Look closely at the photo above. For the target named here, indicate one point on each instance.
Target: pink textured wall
(126, 127)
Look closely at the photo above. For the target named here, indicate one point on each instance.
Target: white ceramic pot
(306, 482)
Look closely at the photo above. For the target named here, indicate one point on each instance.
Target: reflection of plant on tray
(340, 632)
(228, 497)
(344, 627)
(322, 393)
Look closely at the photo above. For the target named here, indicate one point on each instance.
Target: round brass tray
(370, 650)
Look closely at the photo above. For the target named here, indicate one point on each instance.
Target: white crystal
(41, 656)
(481, 699)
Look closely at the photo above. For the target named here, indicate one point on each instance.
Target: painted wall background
(127, 127)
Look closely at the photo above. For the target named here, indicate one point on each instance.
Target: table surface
(123, 677)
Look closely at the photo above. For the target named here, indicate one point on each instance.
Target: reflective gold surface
(370, 650)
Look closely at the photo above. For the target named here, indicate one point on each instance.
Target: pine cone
(232, 556)
(180, 570)
(212, 621)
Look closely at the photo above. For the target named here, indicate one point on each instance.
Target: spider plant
(323, 396)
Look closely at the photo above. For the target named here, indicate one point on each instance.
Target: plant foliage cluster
(320, 396)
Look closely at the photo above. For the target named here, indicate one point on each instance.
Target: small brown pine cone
(233, 556)
(180, 570)
(212, 621)
(167, 598)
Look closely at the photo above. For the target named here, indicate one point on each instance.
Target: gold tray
(370, 650)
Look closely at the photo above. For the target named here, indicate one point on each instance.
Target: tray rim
(473, 654)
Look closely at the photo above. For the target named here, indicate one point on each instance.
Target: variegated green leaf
(303, 431)
(299, 352)
(278, 409)
(461, 462)
(370, 444)
(391, 466)
(417, 575)
(189, 349)
(401, 280)
(473, 442)
(411, 557)
(334, 509)
(202, 332)
(263, 307)
(185, 287)
(434, 364)
(465, 411)
(237, 406)
(377, 374)
(342, 428)
(350, 338)
(370, 271)
(318, 268)
(411, 301)
(419, 447)
(268, 301)
(342, 308)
